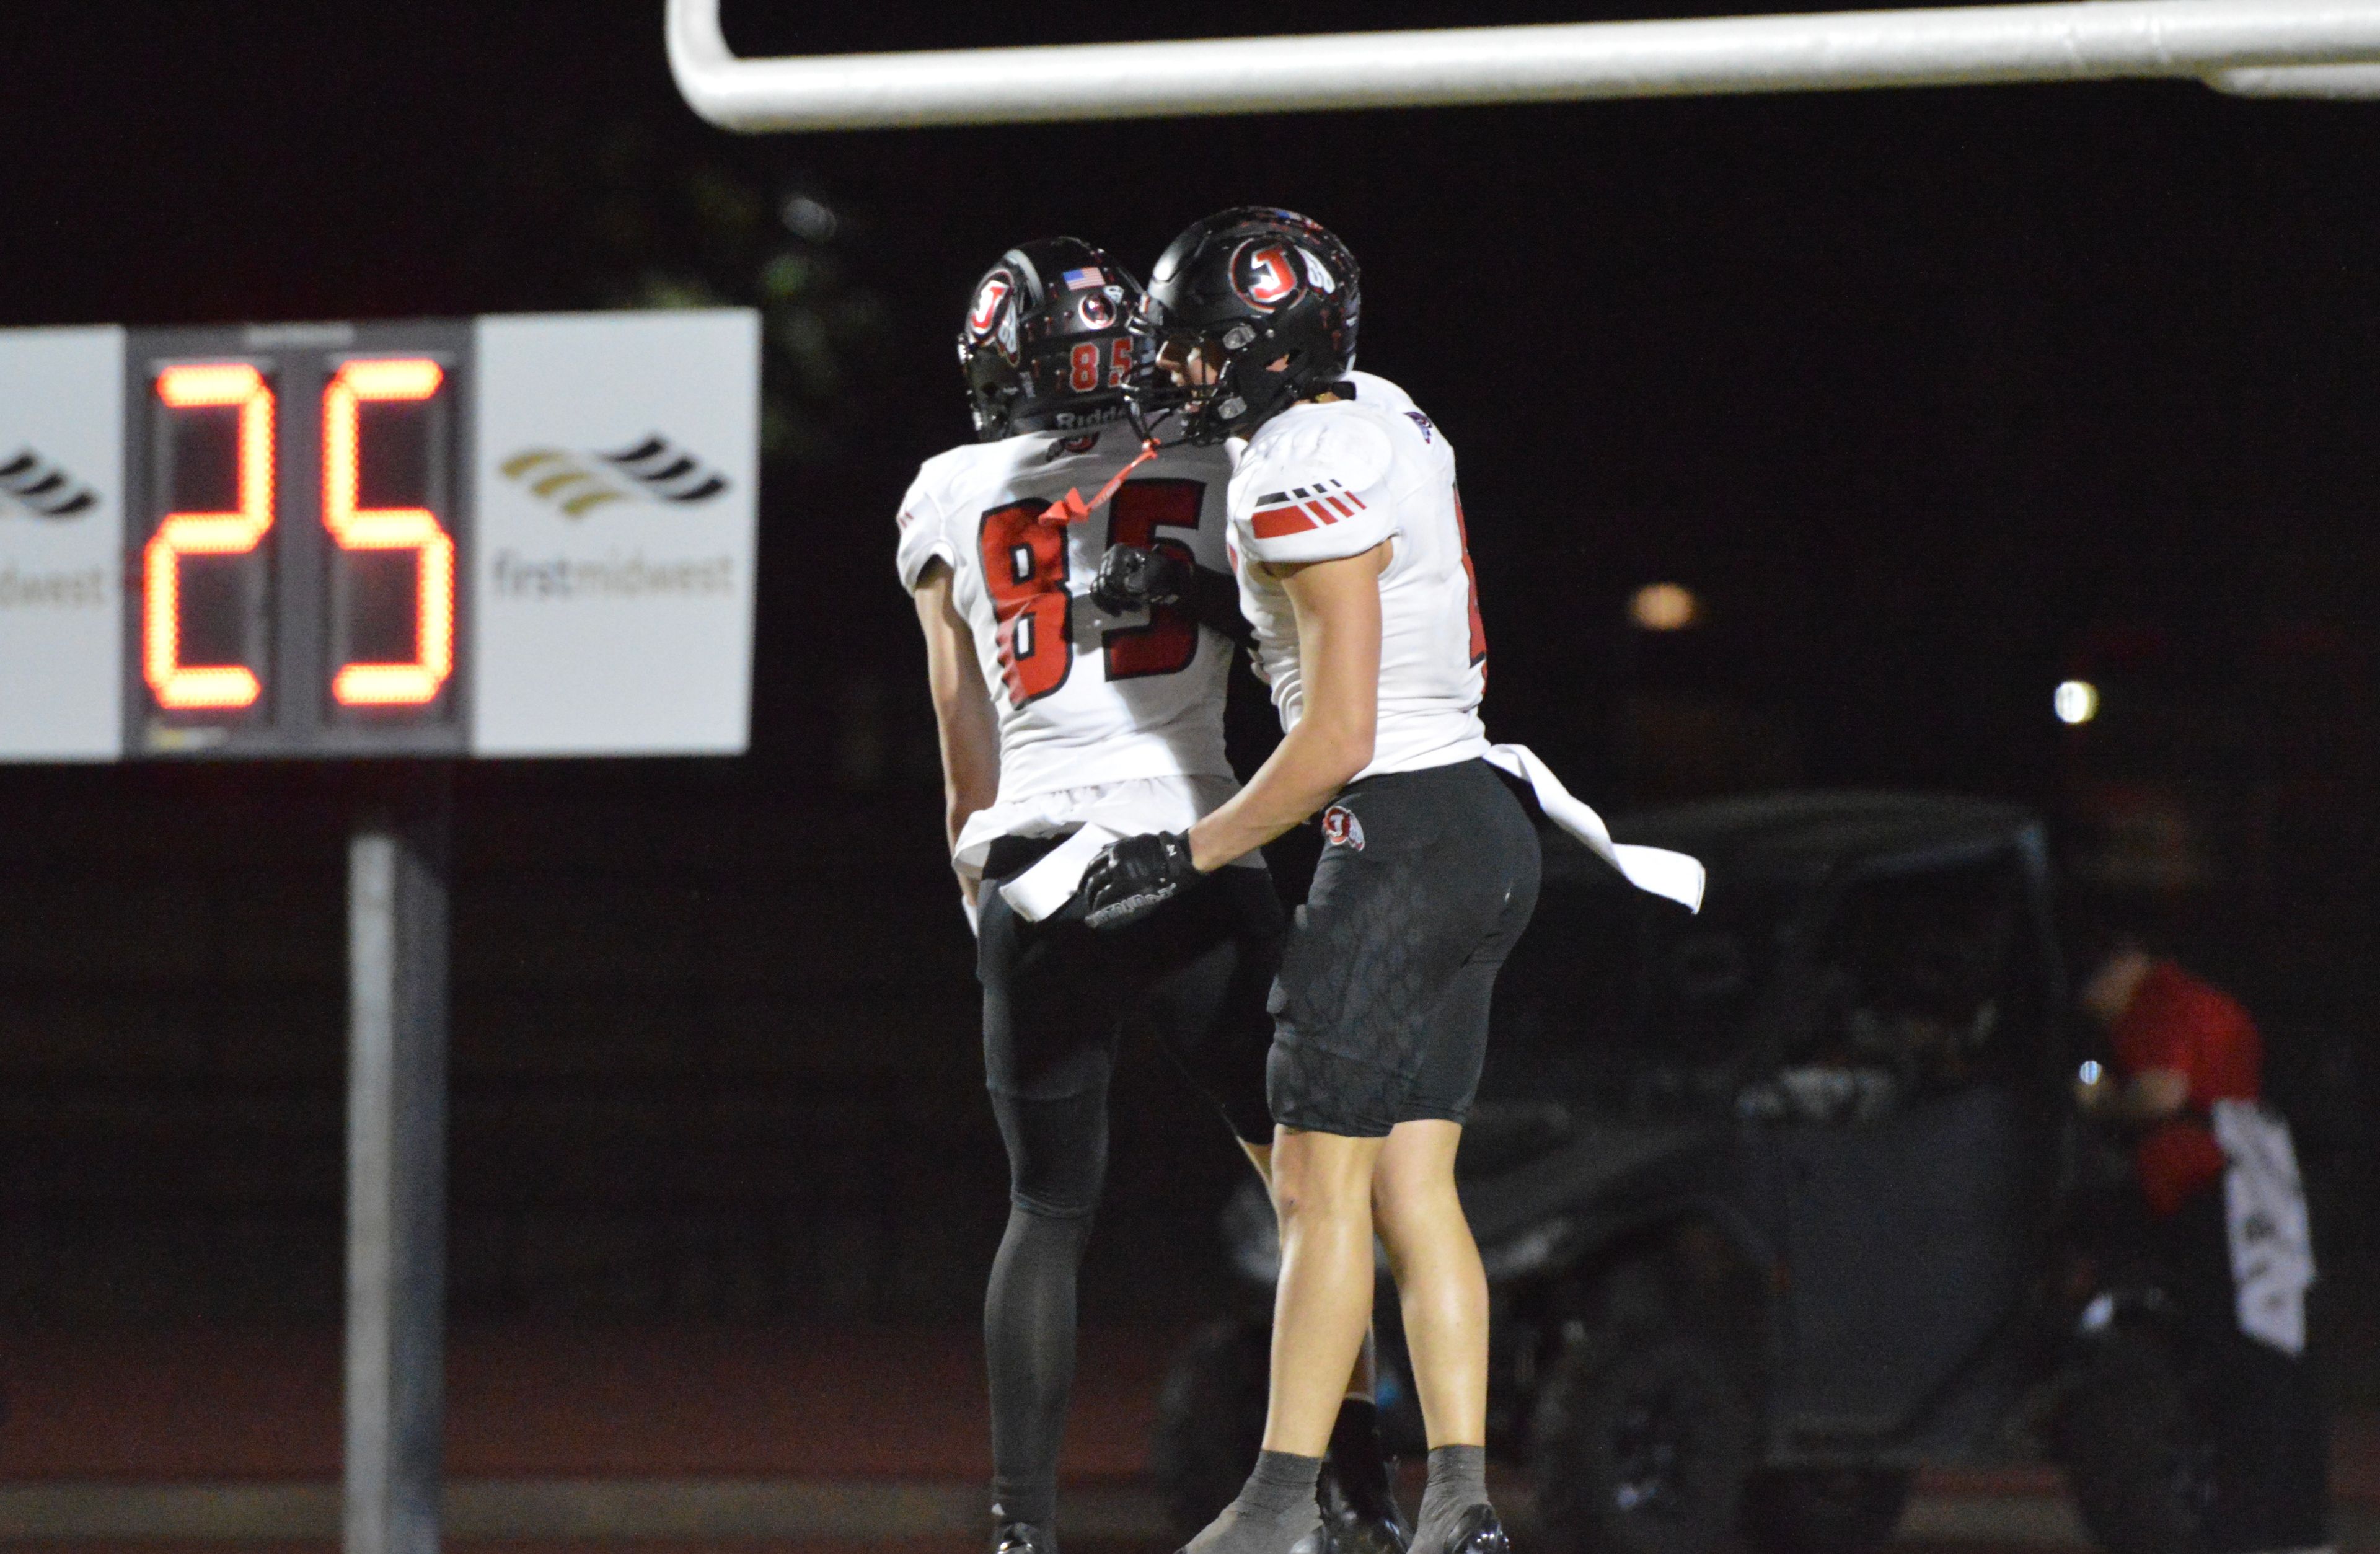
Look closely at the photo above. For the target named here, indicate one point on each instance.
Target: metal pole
(2243, 45)
(396, 1167)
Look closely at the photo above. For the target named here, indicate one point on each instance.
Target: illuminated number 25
(357, 528)
(239, 385)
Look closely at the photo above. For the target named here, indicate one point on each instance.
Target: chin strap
(1071, 509)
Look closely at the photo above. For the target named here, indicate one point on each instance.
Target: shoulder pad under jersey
(925, 511)
(1318, 443)
(1314, 486)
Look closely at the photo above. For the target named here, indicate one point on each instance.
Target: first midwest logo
(656, 469)
(32, 486)
(41, 489)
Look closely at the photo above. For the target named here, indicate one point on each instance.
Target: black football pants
(1055, 997)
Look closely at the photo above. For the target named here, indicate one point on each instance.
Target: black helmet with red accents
(1046, 344)
(1268, 297)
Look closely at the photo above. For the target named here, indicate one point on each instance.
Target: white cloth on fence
(2264, 1215)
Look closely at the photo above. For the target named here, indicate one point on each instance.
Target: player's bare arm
(1338, 606)
(963, 717)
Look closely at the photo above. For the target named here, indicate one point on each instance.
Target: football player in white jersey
(1347, 537)
(1063, 701)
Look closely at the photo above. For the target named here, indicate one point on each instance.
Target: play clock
(509, 535)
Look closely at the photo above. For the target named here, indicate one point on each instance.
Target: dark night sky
(1916, 385)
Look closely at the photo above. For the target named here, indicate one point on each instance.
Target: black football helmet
(1047, 343)
(1250, 287)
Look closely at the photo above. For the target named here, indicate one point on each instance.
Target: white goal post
(2322, 48)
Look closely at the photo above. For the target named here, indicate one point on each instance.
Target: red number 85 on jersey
(1024, 572)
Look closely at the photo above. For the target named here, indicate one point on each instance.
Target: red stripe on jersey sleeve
(1271, 523)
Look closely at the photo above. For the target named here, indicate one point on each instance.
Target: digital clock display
(528, 535)
(295, 529)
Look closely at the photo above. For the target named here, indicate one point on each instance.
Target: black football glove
(1134, 576)
(1133, 876)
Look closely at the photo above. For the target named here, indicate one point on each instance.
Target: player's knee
(1064, 1207)
(1058, 1187)
(1395, 1201)
(1417, 1164)
(1322, 1176)
(1057, 1152)
(1409, 1212)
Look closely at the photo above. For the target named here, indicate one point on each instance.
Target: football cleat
(1359, 1511)
(1478, 1531)
(1023, 1537)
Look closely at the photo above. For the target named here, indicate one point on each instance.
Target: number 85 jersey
(1084, 697)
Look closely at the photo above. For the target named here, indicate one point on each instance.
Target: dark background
(1935, 398)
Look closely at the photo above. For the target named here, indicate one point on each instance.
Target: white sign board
(61, 543)
(617, 477)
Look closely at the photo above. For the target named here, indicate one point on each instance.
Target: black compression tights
(1057, 1152)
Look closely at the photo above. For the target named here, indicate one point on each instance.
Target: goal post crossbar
(2254, 47)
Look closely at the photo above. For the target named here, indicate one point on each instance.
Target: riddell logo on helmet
(1265, 273)
(1340, 829)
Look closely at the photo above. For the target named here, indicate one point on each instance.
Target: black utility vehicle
(1767, 1197)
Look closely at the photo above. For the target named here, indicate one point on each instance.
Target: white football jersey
(1085, 699)
(1319, 482)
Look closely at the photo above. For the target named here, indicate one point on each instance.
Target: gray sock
(1275, 1509)
(1458, 1480)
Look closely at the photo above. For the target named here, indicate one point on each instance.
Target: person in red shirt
(2183, 1045)
(2181, 1048)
